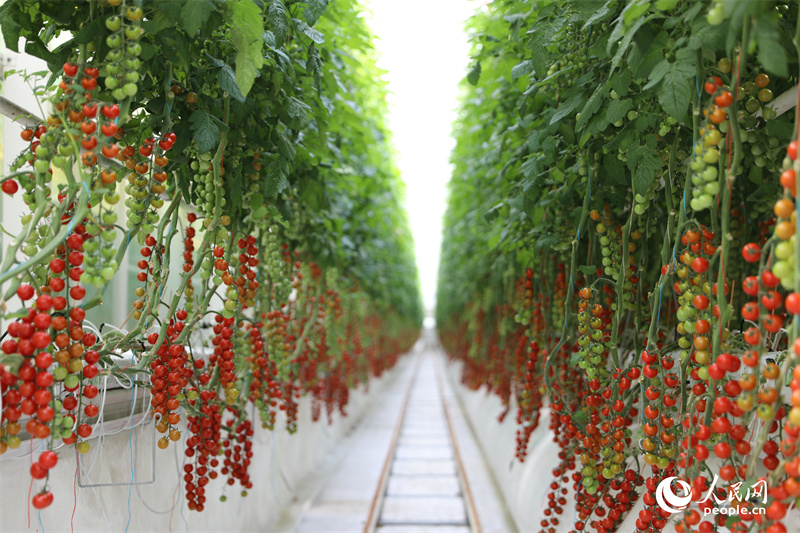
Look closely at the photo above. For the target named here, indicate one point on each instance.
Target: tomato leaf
(9, 25)
(592, 105)
(634, 10)
(285, 147)
(296, 113)
(205, 131)
(675, 94)
(276, 177)
(277, 21)
(314, 67)
(227, 81)
(620, 81)
(643, 161)
(315, 10)
(474, 74)
(521, 69)
(195, 13)
(626, 41)
(309, 32)
(771, 53)
(247, 28)
(604, 13)
(567, 108)
(538, 42)
(617, 109)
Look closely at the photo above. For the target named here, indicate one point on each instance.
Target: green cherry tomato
(133, 32)
(133, 13)
(113, 23)
(114, 41)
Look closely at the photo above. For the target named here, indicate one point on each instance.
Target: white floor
(423, 492)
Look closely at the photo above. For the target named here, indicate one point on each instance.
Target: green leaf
(658, 73)
(276, 177)
(566, 108)
(315, 10)
(247, 28)
(296, 113)
(771, 53)
(310, 32)
(277, 21)
(627, 40)
(621, 81)
(90, 31)
(314, 67)
(542, 35)
(474, 74)
(175, 48)
(588, 270)
(756, 175)
(521, 69)
(675, 94)
(592, 105)
(227, 81)
(8, 24)
(259, 207)
(634, 10)
(601, 14)
(195, 13)
(643, 162)
(206, 133)
(285, 148)
(781, 127)
(617, 109)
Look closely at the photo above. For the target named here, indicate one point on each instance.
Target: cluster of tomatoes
(55, 350)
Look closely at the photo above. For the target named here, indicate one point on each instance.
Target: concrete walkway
(410, 465)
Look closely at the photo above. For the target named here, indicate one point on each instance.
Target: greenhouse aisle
(410, 465)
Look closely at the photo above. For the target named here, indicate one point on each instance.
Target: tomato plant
(253, 132)
(620, 243)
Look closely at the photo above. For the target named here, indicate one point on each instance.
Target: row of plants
(620, 245)
(263, 217)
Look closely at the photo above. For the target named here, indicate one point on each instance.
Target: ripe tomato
(789, 181)
(784, 208)
(772, 300)
(70, 70)
(10, 187)
(792, 303)
(724, 99)
(718, 115)
(752, 336)
(751, 252)
(750, 311)
(791, 150)
(44, 499)
(769, 279)
(762, 80)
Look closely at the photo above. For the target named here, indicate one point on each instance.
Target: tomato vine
(254, 133)
(614, 158)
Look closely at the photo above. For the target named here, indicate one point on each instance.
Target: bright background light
(423, 46)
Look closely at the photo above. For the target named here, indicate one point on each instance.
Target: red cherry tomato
(751, 252)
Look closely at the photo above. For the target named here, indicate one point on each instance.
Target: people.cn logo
(668, 500)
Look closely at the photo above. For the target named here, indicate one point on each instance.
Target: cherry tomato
(751, 252)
